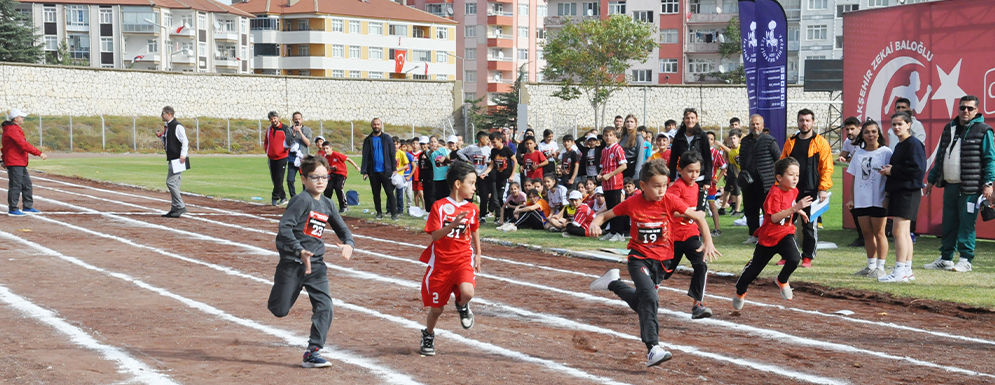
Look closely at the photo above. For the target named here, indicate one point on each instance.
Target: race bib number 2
(316, 223)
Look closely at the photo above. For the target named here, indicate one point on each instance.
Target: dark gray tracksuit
(301, 228)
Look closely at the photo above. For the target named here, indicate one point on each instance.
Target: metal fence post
(352, 136)
(70, 133)
(41, 141)
(197, 121)
(228, 130)
(134, 133)
(103, 136)
(321, 128)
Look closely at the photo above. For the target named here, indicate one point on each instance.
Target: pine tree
(18, 42)
(505, 111)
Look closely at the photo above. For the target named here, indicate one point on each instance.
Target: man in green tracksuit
(965, 169)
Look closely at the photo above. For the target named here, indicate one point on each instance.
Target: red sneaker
(806, 262)
(780, 263)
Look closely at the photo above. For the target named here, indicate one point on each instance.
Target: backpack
(352, 198)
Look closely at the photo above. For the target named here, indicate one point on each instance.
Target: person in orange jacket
(15, 152)
(815, 159)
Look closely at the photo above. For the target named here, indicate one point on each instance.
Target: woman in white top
(868, 203)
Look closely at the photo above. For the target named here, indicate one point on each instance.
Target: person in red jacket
(15, 159)
(277, 144)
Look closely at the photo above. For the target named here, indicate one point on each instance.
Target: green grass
(245, 177)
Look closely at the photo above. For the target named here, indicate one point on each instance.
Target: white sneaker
(895, 276)
(738, 301)
(602, 282)
(657, 356)
(940, 264)
(511, 228)
(618, 238)
(751, 240)
(962, 266)
(908, 275)
(864, 272)
(877, 273)
(606, 236)
(786, 292)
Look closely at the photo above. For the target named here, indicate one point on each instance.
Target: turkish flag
(426, 69)
(399, 56)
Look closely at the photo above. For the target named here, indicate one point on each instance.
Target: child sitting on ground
(515, 198)
(531, 215)
(556, 194)
(582, 216)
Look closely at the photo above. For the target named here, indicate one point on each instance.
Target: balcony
(226, 35)
(703, 47)
(498, 87)
(559, 21)
(712, 18)
(503, 1)
(148, 57)
(792, 45)
(182, 59)
(500, 65)
(500, 19)
(500, 41)
(225, 61)
(187, 31)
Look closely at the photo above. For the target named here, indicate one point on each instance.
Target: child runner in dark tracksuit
(301, 248)
(687, 234)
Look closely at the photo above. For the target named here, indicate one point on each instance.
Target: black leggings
(646, 274)
(573, 229)
(277, 171)
(762, 255)
(619, 224)
(689, 247)
(531, 220)
(335, 185)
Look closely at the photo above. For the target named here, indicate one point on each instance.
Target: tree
(505, 112)
(18, 42)
(591, 58)
(64, 58)
(731, 48)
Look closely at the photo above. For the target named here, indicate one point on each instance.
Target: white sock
(900, 266)
(872, 263)
(880, 264)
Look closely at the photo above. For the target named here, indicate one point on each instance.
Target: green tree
(591, 58)
(18, 42)
(505, 111)
(62, 57)
(731, 48)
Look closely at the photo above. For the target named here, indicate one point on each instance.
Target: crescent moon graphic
(875, 99)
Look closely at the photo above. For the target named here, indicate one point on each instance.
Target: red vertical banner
(400, 56)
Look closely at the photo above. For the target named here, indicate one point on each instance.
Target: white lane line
(478, 344)
(148, 213)
(766, 333)
(125, 362)
(390, 376)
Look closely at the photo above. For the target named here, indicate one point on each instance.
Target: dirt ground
(187, 298)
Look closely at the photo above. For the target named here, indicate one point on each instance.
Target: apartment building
(189, 36)
(495, 40)
(357, 39)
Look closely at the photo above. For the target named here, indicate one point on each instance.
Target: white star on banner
(949, 90)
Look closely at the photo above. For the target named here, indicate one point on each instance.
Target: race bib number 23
(316, 223)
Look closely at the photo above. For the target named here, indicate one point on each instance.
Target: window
(442, 33)
(643, 16)
(338, 51)
(566, 9)
(202, 49)
(258, 49)
(523, 54)
(187, 48)
(469, 76)
(840, 9)
(523, 32)
(304, 50)
(354, 52)
(153, 45)
(705, 35)
(616, 7)
(471, 9)
(441, 57)
(543, 11)
(642, 76)
(591, 9)
(441, 77)
(376, 75)
(523, 9)
(668, 66)
(337, 25)
(227, 52)
(422, 56)
(435, 9)
(376, 29)
(201, 21)
(353, 27)
(338, 74)
(304, 73)
(794, 33)
(470, 31)
(877, 3)
(540, 33)
(470, 53)
(539, 55)
(670, 7)
(107, 16)
(839, 42)
(818, 4)
(134, 20)
(245, 26)
(815, 32)
(107, 44)
(51, 43)
(354, 74)
(701, 66)
(376, 53)
(79, 46)
(48, 13)
(77, 16)
(397, 30)
(468, 96)
(669, 36)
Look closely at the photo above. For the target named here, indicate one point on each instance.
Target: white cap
(590, 136)
(575, 195)
(423, 140)
(599, 190)
(320, 137)
(14, 113)
(452, 139)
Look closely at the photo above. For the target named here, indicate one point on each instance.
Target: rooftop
(197, 5)
(374, 9)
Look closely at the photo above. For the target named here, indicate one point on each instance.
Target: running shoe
(465, 316)
(781, 262)
(738, 301)
(859, 242)
(700, 311)
(962, 266)
(312, 359)
(939, 264)
(16, 213)
(877, 273)
(785, 290)
(606, 236)
(31, 211)
(722, 211)
(618, 238)
(657, 356)
(894, 276)
(806, 262)
(864, 272)
(716, 233)
(602, 282)
(427, 343)
(908, 275)
(751, 240)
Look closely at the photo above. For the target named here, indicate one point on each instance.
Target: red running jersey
(651, 224)
(778, 200)
(612, 157)
(684, 228)
(454, 248)
(336, 163)
(583, 217)
(531, 162)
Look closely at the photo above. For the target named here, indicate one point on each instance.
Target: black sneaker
(427, 343)
(378, 216)
(465, 316)
(483, 220)
(859, 242)
(700, 311)
(394, 217)
(722, 211)
(312, 359)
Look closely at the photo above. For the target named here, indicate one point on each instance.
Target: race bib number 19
(316, 223)
(650, 232)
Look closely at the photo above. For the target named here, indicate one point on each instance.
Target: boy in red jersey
(452, 263)
(688, 234)
(650, 213)
(612, 165)
(582, 217)
(777, 234)
(337, 173)
(533, 161)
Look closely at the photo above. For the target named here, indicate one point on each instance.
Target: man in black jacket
(174, 137)
(690, 137)
(758, 152)
(378, 165)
